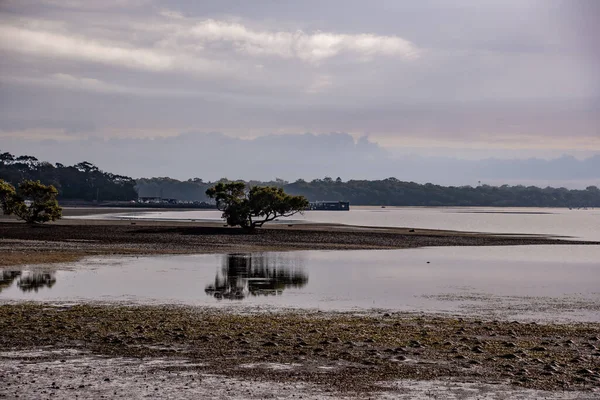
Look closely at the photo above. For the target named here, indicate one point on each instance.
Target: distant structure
(329, 206)
(157, 200)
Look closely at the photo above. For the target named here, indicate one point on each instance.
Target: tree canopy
(394, 192)
(254, 207)
(7, 195)
(82, 181)
(33, 202)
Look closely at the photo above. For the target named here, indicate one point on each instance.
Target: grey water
(517, 282)
(571, 223)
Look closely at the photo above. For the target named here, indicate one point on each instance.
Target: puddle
(522, 282)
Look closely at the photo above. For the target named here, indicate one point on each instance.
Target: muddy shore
(346, 353)
(94, 351)
(71, 239)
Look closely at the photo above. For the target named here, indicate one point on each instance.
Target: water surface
(520, 282)
(579, 224)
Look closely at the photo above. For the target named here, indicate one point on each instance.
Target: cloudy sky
(462, 79)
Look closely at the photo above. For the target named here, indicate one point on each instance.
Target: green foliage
(33, 202)
(83, 181)
(252, 208)
(393, 192)
(7, 196)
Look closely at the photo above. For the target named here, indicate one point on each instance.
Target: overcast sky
(462, 78)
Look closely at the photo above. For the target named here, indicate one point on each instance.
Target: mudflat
(71, 239)
(345, 353)
(166, 351)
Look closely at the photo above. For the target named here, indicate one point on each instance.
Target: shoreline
(70, 240)
(93, 349)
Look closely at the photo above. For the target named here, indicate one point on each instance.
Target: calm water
(580, 224)
(540, 282)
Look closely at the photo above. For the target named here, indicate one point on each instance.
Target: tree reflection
(256, 274)
(7, 278)
(27, 282)
(36, 281)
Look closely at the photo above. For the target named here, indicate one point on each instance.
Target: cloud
(62, 45)
(73, 82)
(57, 45)
(86, 4)
(501, 76)
(320, 84)
(309, 47)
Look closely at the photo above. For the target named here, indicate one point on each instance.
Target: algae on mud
(348, 352)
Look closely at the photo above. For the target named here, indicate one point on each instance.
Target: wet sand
(71, 239)
(347, 354)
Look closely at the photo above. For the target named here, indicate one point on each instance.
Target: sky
(304, 89)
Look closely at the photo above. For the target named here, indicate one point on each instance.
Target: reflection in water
(27, 282)
(7, 278)
(256, 274)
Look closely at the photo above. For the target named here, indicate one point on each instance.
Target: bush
(252, 208)
(33, 202)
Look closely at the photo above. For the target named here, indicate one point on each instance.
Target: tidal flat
(90, 350)
(72, 239)
(348, 353)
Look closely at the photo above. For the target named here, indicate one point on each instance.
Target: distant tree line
(83, 181)
(392, 192)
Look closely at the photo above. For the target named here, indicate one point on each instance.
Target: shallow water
(580, 224)
(521, 282)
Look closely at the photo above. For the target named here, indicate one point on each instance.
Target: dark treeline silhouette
(189, 190)
(83, 181)
(393, 192)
